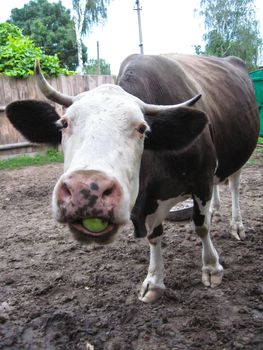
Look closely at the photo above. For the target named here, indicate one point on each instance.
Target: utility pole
(138, 8)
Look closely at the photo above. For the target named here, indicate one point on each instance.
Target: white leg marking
(215, 205)
(212, 271)
(153, 284)
(237, 229)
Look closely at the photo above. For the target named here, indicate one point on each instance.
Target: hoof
(237, 231)
(216, 217)
(212, 278)
(216, 279)
(150, 294)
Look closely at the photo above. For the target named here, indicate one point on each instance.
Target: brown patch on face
(90, 198)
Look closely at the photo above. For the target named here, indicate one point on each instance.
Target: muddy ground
(57, 294)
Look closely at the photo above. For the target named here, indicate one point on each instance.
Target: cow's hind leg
(215, 205)
(237, 229)
(212, 271)
(153, 285)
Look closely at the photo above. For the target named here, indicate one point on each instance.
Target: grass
(260, 140)
(257, 158)
(51, 156)
(259, 150)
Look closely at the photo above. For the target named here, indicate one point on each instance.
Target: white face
(103, 132)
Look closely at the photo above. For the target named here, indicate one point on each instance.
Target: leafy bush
(18, 54)
(7, 30)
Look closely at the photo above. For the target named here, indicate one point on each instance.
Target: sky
(167, 26)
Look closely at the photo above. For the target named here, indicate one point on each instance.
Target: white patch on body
(155, 219)
(204, 209)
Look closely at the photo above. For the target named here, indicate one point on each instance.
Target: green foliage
(198, 50)
(231, 29)
(51, 156)
(260, 140)
(50, 26)
(95, 12)
(18, 54)
(8, 30)
(92, 67)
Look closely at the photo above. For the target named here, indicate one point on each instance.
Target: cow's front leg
(212, 271)
(153, 285)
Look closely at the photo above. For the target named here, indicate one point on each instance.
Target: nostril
(108, 191)
(64, 191)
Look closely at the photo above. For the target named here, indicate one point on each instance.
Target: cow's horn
(152, 109)
(48, 90)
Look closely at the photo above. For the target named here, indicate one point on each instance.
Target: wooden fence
(11, 89)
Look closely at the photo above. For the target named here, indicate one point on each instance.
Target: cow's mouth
(84, 235)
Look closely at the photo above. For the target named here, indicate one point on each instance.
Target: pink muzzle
(85, 194)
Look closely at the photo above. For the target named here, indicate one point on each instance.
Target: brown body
(224, 146)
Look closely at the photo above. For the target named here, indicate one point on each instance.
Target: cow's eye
(64, 123)
(141, 128)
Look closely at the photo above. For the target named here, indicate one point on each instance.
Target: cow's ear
(174, 129)
(36, 120)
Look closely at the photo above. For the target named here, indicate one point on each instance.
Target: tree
(50, 26)
(86, 13)
(91, 67)
(231, 29)
(18, 54)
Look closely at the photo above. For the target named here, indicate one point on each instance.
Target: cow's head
(103, 134)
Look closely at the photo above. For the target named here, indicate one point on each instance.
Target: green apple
(95, 224)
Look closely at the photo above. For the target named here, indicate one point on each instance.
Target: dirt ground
(57, 294)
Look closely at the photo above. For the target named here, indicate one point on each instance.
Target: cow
(172, 127)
